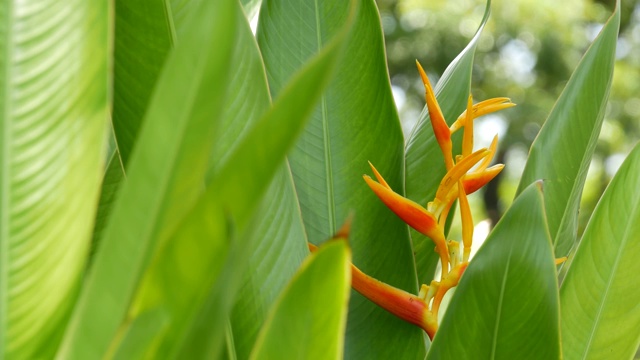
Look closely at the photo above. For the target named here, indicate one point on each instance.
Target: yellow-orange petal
(467, 222)
(482, 108)
(410, 212)
(413, 214)
(440, 127)
(487, 160)
(467, 136)
(474, 181)
(457, 171)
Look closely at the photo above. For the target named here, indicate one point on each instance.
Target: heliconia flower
(410, 212)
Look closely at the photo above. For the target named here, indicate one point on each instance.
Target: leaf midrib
(326, 138)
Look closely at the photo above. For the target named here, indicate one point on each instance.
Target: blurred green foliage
(527, 53)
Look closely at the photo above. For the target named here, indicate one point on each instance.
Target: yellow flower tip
(423, 75)
(378, 176)
(561, 260)
(458, 171)
(474, 181)
(467, 137)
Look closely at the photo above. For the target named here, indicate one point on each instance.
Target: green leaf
(308, 320)
(280, 247)
(561, 153)
(355, 122)
(164, 179)
(425, 163)
(139, 336)
(208, 284)
(143, 38)
(506, 305)
(53, 107)
(600, 295)
(113, 177)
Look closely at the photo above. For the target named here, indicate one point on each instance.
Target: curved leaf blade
(53, 107)
(425, 164)
(506, 305)
(331, 156)
(599, 296)
(308, 320)
(207, 288)
(562, 151)
(164, 180)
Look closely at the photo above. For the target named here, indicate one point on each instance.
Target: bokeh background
(527, 52)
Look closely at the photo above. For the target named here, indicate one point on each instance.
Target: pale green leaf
(53, 112)
(308, 321)
(164, 180)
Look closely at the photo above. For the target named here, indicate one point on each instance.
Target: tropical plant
(229, 156)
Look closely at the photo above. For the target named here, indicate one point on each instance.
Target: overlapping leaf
(355, 122)
(53, 107)
(600, 294)
(164, 180)
(143, 38)
(199, 296)
(309, 319)
(561, 153)
(506, 305)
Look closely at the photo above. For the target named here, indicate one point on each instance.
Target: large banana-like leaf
(600, 294)
(355, 122)
(200, 296)
(309, 319)
(143, 38)
(425, 163)
(506, 305)
(561, 153)
(164, 179)
(53, 108)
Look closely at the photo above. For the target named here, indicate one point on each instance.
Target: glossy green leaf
(199, 297)
(279, 230)
(561, 153)
(143, 38)
(280, 246)
(308, 321)
(53, 107)
(600, 294)
(165, 177)
(506, 305)
(355, 122)
(425, 163)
